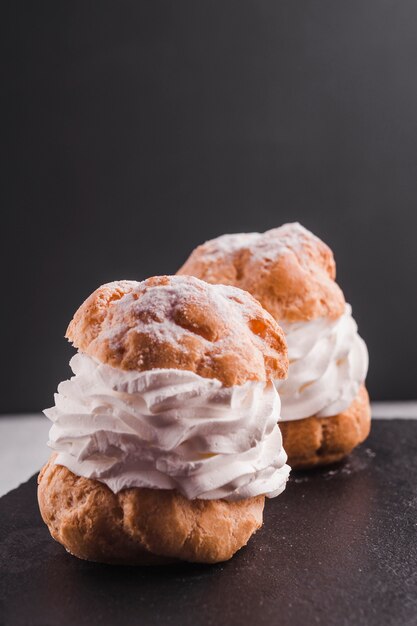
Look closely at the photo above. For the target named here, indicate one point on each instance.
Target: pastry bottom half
(141, 526)
(323, 440)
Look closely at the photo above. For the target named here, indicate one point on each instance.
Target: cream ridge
(328, 363)
(168, 429)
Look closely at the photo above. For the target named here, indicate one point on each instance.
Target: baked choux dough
(181, 323)
(290, 271)
(323, 440)
(141, 526)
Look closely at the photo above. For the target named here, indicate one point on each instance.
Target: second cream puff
(325, 406)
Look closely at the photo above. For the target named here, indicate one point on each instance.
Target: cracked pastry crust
(322, 440)
(141, 526)
(181, 322)
(290, 271)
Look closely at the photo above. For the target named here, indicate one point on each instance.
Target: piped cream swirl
(328, 363)
(168, 429)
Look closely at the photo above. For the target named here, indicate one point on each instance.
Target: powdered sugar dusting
(154, 313)
(259, 248)
(186, 323)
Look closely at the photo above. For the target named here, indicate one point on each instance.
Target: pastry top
(288, 269)
(181, 322)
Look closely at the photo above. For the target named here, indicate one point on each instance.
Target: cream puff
(325, 406)
(165, 441)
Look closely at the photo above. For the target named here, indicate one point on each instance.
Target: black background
(136, 130)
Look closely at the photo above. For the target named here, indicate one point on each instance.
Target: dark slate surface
(339, 547)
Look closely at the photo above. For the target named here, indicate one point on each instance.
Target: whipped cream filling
(328, 363)
(168, 429)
